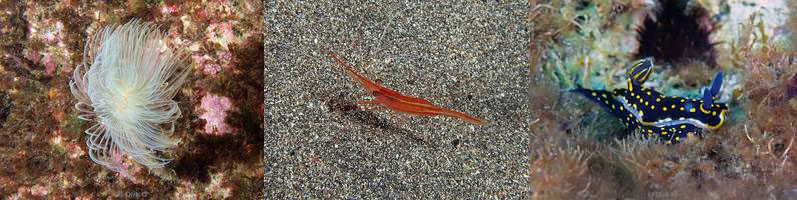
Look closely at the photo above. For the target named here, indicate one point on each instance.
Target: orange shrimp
(397, 102)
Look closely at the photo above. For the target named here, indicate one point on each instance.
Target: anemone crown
(125, 86)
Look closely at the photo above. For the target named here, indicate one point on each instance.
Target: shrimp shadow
(351, 111)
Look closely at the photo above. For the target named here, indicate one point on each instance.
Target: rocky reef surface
(42, 144)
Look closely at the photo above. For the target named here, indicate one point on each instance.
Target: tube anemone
(126, 90)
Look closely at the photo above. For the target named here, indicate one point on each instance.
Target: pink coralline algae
(224, 56)
(209, 67)
(212, 68)
(215, 108)
(124, 166)
(39, 191)
(222, 33)
(49, 64)
(34, 56)
(169, 9)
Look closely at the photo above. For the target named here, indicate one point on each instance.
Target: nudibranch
(672, 119)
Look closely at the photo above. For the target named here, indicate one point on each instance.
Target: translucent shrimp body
(400, 103)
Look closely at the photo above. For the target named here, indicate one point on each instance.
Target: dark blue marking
(709, 94)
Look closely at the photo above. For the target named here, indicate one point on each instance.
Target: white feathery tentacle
(125, 85)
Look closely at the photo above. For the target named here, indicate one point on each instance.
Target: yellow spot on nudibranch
(692, 110)
(713, 113)
(672, 106)
(653, 107)
(677, 138)
(664, 108)
(682, 109)
(649, 93)
(594, 94)
(683, 126)
(658, 99)
(646, 103)
(664, 133)
(682, 100)
(703, 110)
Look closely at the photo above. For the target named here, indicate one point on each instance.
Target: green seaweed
(72, 123)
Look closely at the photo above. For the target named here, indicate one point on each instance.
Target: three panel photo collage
(524, 99)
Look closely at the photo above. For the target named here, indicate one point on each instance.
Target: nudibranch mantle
(670, 118)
